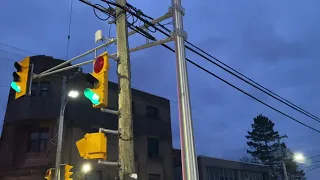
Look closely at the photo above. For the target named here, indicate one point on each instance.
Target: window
(44, 87)
(152, 112)
(38, 140)
(154, 177)
(153, 147)
(34, 87)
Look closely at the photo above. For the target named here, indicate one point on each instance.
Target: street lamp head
(299, 157)
(86, 168)
(73, 94)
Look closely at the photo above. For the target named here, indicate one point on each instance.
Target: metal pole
(126, 145)
(282, 161)
(60, 129)
(30, 79)
(110, 111)
(108, 131)
(111, 41)
(188, 155)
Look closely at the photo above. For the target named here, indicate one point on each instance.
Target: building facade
(28, 142)
(218, 169)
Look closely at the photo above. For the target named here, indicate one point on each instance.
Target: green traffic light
(93, 97)
(15, 87)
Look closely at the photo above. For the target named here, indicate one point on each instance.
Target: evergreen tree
(262, 141)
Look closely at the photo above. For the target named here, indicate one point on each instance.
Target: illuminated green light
(16, 87)
(93, 97)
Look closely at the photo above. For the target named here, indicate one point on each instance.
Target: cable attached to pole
(207, 71)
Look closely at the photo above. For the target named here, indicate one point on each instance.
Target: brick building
(27, 145)
(219, 169)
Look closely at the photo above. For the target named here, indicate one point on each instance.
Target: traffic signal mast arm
(112, 56)
(111, 41)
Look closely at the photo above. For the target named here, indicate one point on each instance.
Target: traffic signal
(21, 77)
(98, 95)
(49, 174)
(67, 172)
(93, 146)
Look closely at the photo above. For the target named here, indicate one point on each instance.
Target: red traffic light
(48, 173)
(98, 64)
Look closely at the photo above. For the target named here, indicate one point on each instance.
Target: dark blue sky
(273, 42)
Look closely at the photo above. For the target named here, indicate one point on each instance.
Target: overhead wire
(16, 48)
(7, 59)
(315, 168)
(11, 53)
(247, 80)
(202, 68)
(240, 76)
(69, 29)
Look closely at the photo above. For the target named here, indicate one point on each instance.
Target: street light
(73, 94)
(64, 102)
(299, 157)
(86, 168)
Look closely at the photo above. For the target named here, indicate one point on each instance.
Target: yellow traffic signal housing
(67, 172)
(93, 146)
(49, 174)
(98, 95)
(21, 77)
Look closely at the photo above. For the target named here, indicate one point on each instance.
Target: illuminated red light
(98, 64)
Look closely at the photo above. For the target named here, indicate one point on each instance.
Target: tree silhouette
(262, 141)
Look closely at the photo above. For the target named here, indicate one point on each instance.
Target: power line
(16, 48)
(10, 52)
(254, 82)
(247, 79)
(312, 157)
(7, 59)
(69, 30)
(313, 169)
(197, 65)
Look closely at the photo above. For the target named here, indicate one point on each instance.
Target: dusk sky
(273, 42)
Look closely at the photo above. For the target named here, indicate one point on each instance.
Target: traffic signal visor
(93, 146)
(98, 95)
(67, 172)
(21, 77)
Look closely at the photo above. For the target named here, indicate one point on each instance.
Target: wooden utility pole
(126, 145)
